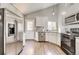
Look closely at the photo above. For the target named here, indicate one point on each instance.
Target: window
(51, 25)
(30, 25)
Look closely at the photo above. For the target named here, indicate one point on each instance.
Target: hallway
(41, 48)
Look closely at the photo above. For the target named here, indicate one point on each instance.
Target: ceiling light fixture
(63, 13)
(53, 13)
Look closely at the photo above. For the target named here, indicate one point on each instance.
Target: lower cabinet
(52, 37)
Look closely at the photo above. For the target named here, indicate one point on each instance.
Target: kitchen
(53, 23)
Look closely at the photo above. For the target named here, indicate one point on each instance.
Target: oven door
(68, 44)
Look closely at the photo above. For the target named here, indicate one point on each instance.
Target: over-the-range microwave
(73, 19)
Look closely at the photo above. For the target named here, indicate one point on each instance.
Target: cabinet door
(43, 22)
(51, 37)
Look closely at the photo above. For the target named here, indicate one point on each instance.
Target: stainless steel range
(68, 44)
(68, 41)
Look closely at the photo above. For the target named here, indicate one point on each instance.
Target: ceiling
(27, 8)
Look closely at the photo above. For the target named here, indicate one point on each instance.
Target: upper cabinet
(41, 21)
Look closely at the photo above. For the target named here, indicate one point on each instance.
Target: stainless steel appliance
(73, 19)
(77, 16)
(70, 19)
(68, 44)
(1, 31)
(41, 36)
(75, 33)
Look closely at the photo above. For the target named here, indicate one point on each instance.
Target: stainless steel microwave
(70, 19)
(77, 16)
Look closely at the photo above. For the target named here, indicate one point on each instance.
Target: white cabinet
(77, 45)
(41, 21)
(52, 37)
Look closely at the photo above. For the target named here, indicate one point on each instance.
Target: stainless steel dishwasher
(41, 36)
